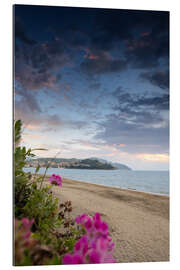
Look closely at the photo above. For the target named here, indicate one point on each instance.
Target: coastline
(121, 188)
(138, 221)
(126, 189)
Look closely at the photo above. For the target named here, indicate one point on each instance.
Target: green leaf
(17, 131)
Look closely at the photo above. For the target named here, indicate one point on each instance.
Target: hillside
(115, 164)
(73, 163)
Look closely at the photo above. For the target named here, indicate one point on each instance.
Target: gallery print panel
(91, 135)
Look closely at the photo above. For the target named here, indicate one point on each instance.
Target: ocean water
(148, 181)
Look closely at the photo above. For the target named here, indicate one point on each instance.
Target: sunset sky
(93, 83)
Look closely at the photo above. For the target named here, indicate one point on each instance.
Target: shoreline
(126, 189)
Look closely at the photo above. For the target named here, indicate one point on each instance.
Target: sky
(92, 82)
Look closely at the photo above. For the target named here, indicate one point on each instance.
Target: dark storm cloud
(141, 37)
(36, 62)
(48, 55)
(138, 122)
(114, 26)
(123, 24)
(159, 103)
(141, 54)
(143, 34)
(101, 63)
(27, 100)
(158, 78)
(147, 51)
(31, 79)
(127, 101)
(141, 117)
(34, 65)
(58, 77)
(21, 33)
(75, 38)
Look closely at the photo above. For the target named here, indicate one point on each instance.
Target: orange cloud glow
(154, 157)
(32, 127)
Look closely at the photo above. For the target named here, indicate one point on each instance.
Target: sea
(156, 182)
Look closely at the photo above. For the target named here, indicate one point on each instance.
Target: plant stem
(44, 176)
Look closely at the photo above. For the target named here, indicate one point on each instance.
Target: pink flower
(95, 246)
(27, 235)
(94, 257)
(73, 259)
(23, 230)
(56, 180)
(97, 217)
(77, 259)
(104, 227)
(26, 228)
(88, 224)
(81, 219)
(81, 246)
(67, 259)
(97, 224)
(26, 222)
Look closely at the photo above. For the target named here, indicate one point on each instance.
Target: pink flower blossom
(73, 259)
(81, 219)
(23, 230)
(88, 224)
(97, 217)
(104, 227)
(81, 246)
(27, 235)
(77, 259)
(94, 257)
(95, 246)
(67, 259)
(26, 222)
(97, 224)
(56, 180)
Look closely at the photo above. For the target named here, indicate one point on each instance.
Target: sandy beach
(138, 222)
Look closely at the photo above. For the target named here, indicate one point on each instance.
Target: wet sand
(138, 222)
